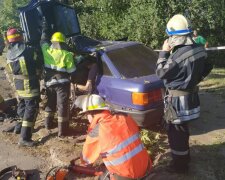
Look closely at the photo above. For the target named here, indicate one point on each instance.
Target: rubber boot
(29, 143)
(17, 128)
(25, 137)
(63, 128)
(50, 123)
(2, 117)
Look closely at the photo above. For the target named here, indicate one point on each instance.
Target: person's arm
(39, 62)
(165, 66)
(45, 36)
(208, 66)
(93, 70)
(206, 44)
(91, 148)
(70, 64)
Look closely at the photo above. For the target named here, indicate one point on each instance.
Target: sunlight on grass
(215, 82)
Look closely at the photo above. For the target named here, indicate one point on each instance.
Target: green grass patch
(214, 82)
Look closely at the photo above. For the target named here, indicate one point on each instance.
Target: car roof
(107, 46)
(113, 45)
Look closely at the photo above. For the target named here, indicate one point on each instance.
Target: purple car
(128, 83)
(126, 80)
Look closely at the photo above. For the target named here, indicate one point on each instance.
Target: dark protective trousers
(58, 97)
(178, 136)
(27, 111)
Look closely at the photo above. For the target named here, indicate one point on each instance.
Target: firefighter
(114, 137)
(22, 61)
(59, 64)
(182, 64)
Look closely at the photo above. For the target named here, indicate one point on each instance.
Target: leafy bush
(154, 142)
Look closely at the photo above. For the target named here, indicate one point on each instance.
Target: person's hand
(44, 23)
(166, 46)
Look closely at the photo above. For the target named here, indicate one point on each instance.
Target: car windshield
(134, 61)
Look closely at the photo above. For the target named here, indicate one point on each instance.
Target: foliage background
(138, 20)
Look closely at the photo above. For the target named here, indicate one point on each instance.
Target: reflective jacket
(23, 63)
(183, 70)
(58, 61)
(116, 139)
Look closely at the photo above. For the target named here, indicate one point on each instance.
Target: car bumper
(146, 119)
(149, 118)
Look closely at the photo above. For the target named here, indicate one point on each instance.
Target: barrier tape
(207, 49)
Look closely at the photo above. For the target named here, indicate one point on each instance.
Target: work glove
(46, 31)
(44, 24)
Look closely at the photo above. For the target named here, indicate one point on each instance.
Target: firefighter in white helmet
(182, 64)
(114, 138)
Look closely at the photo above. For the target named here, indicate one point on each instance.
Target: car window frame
(105, 59)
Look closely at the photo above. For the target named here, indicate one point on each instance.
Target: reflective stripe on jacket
(24, 67)
(116, 139)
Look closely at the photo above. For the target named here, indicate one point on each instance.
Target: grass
(214, 82)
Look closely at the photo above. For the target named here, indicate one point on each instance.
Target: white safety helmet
(178, 25)
(90, 103)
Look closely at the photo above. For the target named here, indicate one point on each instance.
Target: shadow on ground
(207, 163)
(212, 116)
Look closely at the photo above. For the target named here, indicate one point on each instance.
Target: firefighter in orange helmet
(114, 137)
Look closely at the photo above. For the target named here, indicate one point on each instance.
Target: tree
(139, 20)
(145, 20)
(9, 13)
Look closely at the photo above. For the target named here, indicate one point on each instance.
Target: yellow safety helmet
(58, 37)
(91, 102)
(178, 25)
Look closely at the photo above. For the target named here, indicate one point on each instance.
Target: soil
(207, 141)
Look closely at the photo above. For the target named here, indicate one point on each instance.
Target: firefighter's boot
(18, 127)
(50, 123)
(27, 143)
(63, 128)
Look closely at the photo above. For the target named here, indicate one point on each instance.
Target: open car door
(60, 17)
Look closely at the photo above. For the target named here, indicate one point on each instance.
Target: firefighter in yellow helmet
(22, 61)
(59, 64)
(182, 64)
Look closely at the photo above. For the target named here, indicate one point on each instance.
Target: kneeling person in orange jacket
(114, 137)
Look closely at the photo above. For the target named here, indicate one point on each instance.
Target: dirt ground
(207, 141)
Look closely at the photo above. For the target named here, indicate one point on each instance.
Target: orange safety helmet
(14, 35)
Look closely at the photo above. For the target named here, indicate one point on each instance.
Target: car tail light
(146, 98)
(140, 98)
(155, 95)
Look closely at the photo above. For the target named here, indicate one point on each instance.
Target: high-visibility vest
(58, 59)
(116, 139)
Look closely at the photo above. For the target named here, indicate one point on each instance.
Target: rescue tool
(59, 173)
